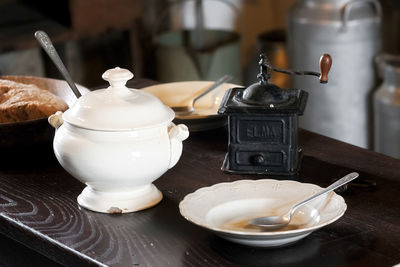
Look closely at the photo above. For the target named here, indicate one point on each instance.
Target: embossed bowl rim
(222, 186)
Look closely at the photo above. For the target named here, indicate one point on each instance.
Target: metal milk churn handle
(349, 30)
(387, 107)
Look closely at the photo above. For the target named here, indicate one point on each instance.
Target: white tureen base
(120, 201)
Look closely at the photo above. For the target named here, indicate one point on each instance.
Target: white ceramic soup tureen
(118, 141)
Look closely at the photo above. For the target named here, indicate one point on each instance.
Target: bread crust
(21, 102)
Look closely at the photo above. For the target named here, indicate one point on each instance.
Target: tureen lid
(118, 108)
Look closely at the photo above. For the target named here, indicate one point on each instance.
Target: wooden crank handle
(325, 63)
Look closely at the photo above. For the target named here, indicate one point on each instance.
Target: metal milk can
(387, 108)
(348, 30)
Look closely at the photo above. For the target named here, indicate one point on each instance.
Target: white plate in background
(205, 116)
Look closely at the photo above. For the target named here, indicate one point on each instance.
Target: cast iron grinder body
(263, 123)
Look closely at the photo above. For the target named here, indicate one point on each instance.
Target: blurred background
(203, 39)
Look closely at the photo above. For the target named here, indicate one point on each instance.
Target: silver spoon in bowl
(47, 45)
(277, 222)
(187, 109)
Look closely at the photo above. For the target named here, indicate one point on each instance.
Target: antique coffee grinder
(263, 123)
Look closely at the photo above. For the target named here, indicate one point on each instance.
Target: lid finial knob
(117, 77)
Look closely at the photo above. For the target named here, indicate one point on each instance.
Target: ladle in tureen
(47, 45)
(116, 140)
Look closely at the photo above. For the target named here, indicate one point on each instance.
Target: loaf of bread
(21, 102)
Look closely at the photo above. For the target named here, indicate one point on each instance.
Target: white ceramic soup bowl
(118, 141)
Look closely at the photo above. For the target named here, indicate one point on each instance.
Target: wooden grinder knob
(325, 63)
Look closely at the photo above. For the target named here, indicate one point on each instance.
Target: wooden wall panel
(259, 16)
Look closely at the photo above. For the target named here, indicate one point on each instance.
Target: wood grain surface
(38, 209)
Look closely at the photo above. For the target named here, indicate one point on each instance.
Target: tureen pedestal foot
(120, 201)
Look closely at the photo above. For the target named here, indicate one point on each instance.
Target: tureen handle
(56, 119)
(177, 133)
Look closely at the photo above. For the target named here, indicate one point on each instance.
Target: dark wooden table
(42, 224)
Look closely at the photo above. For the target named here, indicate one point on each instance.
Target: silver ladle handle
(47, 45)
(344, 180)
